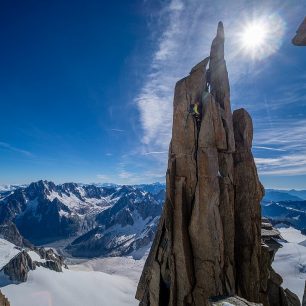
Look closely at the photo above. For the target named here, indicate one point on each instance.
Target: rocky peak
(208, 242)
(40, 187)
(18, 267)
(26, 260)
(300, 37)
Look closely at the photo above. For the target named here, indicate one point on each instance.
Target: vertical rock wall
(248, 194)
(208, 241)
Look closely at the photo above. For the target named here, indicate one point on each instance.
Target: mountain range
(285, 207)
(95, 220)
(91, 220)
(284, 195)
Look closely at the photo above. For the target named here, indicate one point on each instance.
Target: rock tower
(208, 243)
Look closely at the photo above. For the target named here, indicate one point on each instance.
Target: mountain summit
(208, 243)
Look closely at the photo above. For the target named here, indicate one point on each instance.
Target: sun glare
(254, 36)
(261, 36)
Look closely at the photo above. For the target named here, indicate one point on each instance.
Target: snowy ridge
(290, 260)
(7, 252)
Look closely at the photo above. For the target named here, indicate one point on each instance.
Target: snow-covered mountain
(125, 228)
(284, 195)
(101, 220)
(5, 190)
(44, 211)
(280, 195)
(153, 188)
(292, 213)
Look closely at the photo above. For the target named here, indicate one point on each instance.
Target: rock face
(248, 194)
(208, 242)
(18, 267)
(3, 300)
(300, 37)
(9, 231)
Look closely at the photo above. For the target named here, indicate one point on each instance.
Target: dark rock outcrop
(18, 267)
(300, 37)
(53, 261)
(208, 242)
(9, 231)
(50, 264)
(3, 300)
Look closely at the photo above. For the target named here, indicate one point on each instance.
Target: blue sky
(86, 87)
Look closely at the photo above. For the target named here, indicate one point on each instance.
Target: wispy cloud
(284, 134)
(185, 30)
(155, 152)
(7, 146)
(284, 165)
(117, 130)
(268, 148)
(291, 148)
(169, 63)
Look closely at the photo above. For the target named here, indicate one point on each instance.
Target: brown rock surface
(3, 300)
(208, 243)
(248, 194)
(300, 37)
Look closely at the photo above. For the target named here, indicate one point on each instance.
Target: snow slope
(7, 252)
(290, 261)
(125, 266)
(78, 288)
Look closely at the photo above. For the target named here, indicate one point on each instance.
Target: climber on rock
(196, 111)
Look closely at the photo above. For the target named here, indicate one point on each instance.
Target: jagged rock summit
(208, 243)
(300, 37)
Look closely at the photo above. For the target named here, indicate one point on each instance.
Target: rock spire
(208, 242)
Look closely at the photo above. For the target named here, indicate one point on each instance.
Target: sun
(254, 36)
(260, 37)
